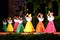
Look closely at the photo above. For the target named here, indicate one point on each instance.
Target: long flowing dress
(10, 27)
(40, 25)
(20, 27)
(50, 26)
(29, 27)
(15, 24)
(4, 26)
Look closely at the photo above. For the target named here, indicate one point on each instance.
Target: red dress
(15, 24)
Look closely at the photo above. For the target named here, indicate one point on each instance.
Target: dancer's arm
(26, 15)
(38, 15)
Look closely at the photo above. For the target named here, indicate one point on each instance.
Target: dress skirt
(50, 27)
(15, 26)
(10, 28)
(40, 27)
(29, 27)
(20, 28)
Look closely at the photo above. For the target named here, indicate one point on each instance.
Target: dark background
(3, 11)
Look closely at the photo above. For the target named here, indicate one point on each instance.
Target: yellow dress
(10, 27)
(29, 27)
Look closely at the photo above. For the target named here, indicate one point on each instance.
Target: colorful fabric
(15, 26)
(29, 27)
(10, 28)
(40, 27)
(50, 27)
(20, 28)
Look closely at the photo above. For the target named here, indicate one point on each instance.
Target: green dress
(4, 26)
(20, 27)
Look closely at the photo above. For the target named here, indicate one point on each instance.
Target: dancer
(20, 27)
(40, 26)
(15, 23)
(10, 27)
(50, 26)
(29, 27)
(4, 25)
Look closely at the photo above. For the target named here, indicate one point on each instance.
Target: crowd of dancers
(18, 26)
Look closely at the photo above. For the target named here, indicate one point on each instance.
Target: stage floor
(5, 33)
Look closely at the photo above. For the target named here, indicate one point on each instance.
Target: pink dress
(50, 26)
(15, 24)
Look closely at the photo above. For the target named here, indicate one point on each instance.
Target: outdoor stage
(5, 33)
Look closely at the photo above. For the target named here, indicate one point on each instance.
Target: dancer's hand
(39, 14)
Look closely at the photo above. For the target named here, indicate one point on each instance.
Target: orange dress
(40, 25)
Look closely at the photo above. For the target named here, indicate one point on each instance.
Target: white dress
(50, 18)
(40, 19)
(28, 19)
